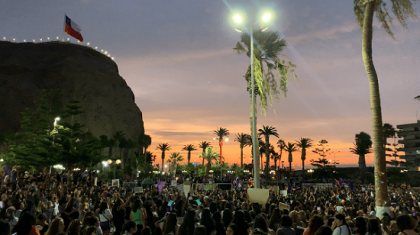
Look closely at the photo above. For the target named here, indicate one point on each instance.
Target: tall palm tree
(209, 154)
(364, 11)
(362, 146)
(282, 145)
(118, 136)
(221, 133)
(174, 158)
(243, 140)
(108, 142)
(144, 141)
(290, 148)
(304, 144)
(268, 49)
(388, 132)
(274, 155)
(189, 148)
(267, 131)
(203, 145)
(163, 147)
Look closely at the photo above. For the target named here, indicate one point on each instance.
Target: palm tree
(304, 144)
(163, 147)
(267, 131)
(203, 145)
(174, 158)
(388, 132)
(364, 11)
(108, 142)
(243, 140)
(362, 147)
(268, 47)
(221, 133)
(119, 140)
(290, 148)
(144, 141)
(189, 148)
(282, 145)
(209, 154)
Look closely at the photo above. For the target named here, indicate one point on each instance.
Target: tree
(268, 47)
(364, 11)
(274, 155)
(209, 154)
(243, 140)
(290, 148)
(362, 147)
(322, 150)
(189, 148)
(144, 141)
(221, 133)
(203, 145)
(304, 144)
(174, 158)
(163, 147)
(109, 143)
(282, 145)
(267, 131)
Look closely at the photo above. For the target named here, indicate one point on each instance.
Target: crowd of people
(40, 203)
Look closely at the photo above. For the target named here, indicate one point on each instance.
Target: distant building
(411, 140)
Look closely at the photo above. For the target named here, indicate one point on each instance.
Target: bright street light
(118, 161)
(266, 17)
(227, 139)
(109, 161)
(237, 18)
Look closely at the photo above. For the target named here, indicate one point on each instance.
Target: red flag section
(72, 29)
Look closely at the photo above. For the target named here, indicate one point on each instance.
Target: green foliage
(174, 159)
(267, 49)
(209, 154)
(42, 142)
(201, 171)
(402, 9)
(239, 171)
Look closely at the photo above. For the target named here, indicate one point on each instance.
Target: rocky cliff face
(78, 71)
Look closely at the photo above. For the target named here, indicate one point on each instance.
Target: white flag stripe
(75, 26)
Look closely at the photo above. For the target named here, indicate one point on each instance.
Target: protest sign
(138, 189)
(161, 184)
(115, 182)
(209, 187)
(283, 206)
(259, 196)
(187, 188)
(173, 183)
(283, 193)
(180, 188)
(275, 189)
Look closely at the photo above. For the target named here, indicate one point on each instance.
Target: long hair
(54, 226)
(103, 207)
(74, 227)
(24, 225)
(361, 225)
(207, 221)
(71, 203)
(137, 205)
(315, 223)
(170, 224)
(128, 226)
(220, 228)
(260, 223)
(235, 228)
(188, 225)
(239, 220)
(227, 216)
(275, 217)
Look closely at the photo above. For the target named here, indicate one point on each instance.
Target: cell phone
(318, 208)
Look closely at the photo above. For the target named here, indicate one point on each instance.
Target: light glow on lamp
(109, 161)
(266, 17)
(237, 18)
(118, 161)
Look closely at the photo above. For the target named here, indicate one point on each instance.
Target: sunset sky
(177, 57)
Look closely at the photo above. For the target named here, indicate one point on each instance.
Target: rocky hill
(27, 68)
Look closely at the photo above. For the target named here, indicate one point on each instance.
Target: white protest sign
(259, 196)
(283, 192)
(186, 189)
(180, 187)
(173, 183)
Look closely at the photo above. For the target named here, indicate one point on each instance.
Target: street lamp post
(310, 171)
(117, 162)
(238, 19)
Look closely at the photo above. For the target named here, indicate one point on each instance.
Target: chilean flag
(72, 29)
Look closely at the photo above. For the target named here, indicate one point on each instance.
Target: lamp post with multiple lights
(117, 162)
(238, 19)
